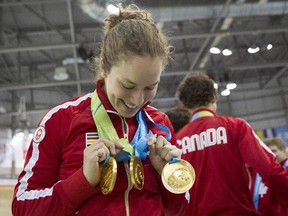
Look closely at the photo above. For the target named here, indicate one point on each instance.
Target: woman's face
(132, 83)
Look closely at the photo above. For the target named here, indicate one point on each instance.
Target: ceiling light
(225, 92)
(72, 60)
(215, 50)
(112, 9)
(226, 82)
(227, 52)
(269, 46)
(231, 86)
(216, 85)
(61, 74)
(253, 50)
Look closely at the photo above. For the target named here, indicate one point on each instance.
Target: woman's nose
(137, 98)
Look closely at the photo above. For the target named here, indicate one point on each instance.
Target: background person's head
(179, 117)
(278, 147)
(197, 90)
(133, 55)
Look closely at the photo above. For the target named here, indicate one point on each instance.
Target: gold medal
(108, 176)
(137, 173)
(178, 177)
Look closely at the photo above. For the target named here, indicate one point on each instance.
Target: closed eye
(150, 88)
(127, 87)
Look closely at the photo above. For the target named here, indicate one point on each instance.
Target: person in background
(179, 116)
(219, 147)
(87, 154)
(278, 147)
(264, 198)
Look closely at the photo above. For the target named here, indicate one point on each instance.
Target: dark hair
(179, 117)
(131, 32)
(197, 90)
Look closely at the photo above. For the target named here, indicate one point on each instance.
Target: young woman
(89, 155)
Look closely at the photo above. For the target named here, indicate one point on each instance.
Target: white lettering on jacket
(205, 139)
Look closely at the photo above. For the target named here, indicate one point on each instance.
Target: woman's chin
(128, 115)
(127, 112)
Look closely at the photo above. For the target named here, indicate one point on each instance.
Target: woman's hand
(95, 154)
(161, 152)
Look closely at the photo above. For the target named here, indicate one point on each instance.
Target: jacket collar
(197, 111)
(102, 95)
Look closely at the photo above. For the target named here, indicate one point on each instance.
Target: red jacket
(52, 182)
(219, 147)
(268, 202)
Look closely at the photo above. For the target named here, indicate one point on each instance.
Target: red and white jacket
(268, 203)
(219, 148)
(53, 183)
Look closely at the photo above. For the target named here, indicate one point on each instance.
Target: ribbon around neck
(201, 114)
(105, 128)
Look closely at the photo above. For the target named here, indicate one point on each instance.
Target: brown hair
(179, 117)
(277, 142)
(131, 32)
(197, 90)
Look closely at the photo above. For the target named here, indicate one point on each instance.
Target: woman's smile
(129, 105)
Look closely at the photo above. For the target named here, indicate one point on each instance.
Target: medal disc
(137, 172)
(178, 177)
(108, 176)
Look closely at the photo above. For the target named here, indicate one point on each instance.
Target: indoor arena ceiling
(41, 37)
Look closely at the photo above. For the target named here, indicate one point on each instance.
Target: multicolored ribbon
(201, 114)
(138, 146)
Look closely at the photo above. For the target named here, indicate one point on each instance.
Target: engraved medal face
(137, 173)
(178, 177)
(108, 176)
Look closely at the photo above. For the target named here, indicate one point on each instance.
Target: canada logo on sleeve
(39, 134)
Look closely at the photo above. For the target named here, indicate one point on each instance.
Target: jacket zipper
(127, 169)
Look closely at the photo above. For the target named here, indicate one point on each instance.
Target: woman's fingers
(163, 148)
(101, 154)
(97, 152)
(112, 148)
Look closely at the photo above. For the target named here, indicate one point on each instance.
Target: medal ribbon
(201, 114)
(161, 127)
(106, 129)
(140, 137)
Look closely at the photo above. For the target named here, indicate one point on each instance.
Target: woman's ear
(102, 75)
